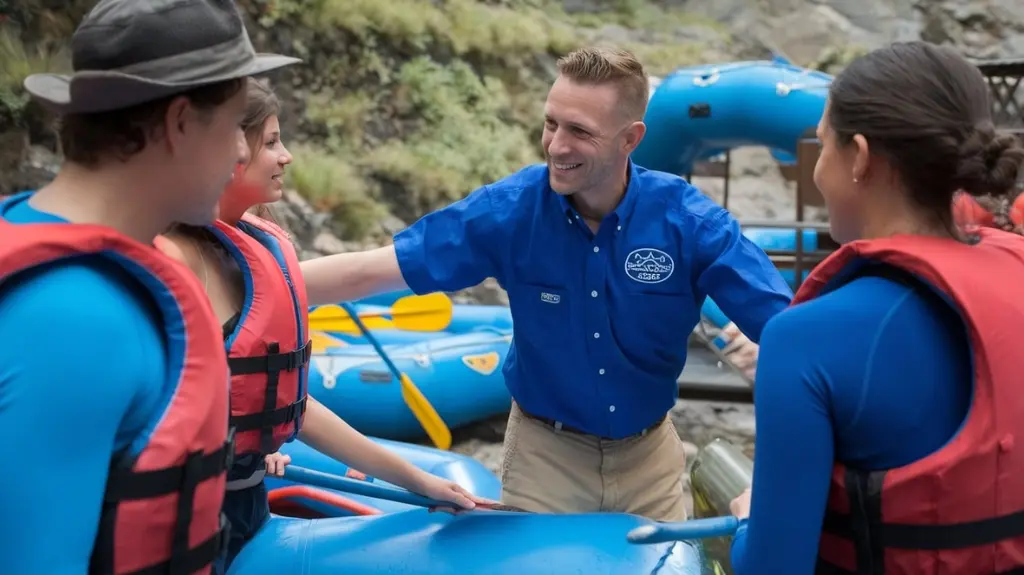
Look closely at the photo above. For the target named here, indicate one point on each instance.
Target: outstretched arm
(324, 431)
(738, 274)
(451, 249)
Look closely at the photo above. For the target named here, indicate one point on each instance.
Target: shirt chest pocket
(540, 313)
(655, 325)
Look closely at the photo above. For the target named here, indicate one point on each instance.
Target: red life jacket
(959, 510)
(269, 349)
(161, 510)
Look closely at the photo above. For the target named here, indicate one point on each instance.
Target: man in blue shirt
(606, 265)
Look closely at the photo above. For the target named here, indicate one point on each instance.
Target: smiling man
(606, 265)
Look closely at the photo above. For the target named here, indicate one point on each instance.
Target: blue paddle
(386, 492)
(684, 530)
(344, 484)
(414, 398)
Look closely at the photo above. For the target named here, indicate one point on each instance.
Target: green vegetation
(422, 102)
(403, 106)
(17, 62)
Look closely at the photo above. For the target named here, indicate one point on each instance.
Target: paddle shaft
(344, 484)
(684, 530)
(373, 340)
(414, 398)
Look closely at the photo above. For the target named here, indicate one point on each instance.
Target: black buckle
(300, 357)
(224, 535)
(229, 449)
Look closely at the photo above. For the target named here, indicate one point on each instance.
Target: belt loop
(558, 426)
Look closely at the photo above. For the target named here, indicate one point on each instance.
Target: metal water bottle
(720, 472)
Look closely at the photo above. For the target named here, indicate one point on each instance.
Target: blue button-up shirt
(601, 321)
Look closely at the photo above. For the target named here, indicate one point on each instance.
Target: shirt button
(611, 408)
(596, 249)
(568, 221)
(593, 293)
(618, 228)
(600, 371)
(596, 335)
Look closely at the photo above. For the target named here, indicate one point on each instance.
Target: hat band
(210, 64)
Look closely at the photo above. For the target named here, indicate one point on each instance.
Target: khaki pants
(549, 471)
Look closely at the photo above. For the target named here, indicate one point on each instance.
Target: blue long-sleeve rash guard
(875, 375)
(82, 370)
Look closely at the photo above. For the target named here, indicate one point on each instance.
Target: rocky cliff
(406, 105)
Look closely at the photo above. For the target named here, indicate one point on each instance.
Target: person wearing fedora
(126, 418)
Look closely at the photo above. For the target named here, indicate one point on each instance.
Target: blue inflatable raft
(698, 112)
(462, 469)
(460, 374)
(492, 542)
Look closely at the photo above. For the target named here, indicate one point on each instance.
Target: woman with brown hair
(888, 395)
(250, 271)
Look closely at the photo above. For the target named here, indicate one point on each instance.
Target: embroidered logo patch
(649, 265)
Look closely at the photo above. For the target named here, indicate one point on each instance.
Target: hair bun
(989, 163)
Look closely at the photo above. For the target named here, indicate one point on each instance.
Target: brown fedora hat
(128, 52)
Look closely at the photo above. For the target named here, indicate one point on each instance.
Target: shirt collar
(626, 205)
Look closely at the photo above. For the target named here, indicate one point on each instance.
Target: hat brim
(105, 91)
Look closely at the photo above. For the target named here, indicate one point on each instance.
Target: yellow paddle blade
(322, 341)
(426, 414)
(432, 312)
(334, 318)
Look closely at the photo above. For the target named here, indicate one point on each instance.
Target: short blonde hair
(597, 65)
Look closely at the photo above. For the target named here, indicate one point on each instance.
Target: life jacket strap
(125, 484)
(870, 536)
(272, 362)
(273, 418)
(195, 558)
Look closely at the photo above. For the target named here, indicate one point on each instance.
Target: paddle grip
(684, 530)
(338, 483)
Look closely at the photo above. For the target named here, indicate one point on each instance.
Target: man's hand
(740, 350)
(740, 507)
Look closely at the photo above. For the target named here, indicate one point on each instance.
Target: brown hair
(928, 111)
(88, 139)
(597, 66)
(261, 105)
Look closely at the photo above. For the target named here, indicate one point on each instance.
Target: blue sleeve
(871, 375)
(81, 372)
(453, 248)
(738, 275)
(793, 458)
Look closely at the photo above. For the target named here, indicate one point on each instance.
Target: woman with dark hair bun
(888, 395)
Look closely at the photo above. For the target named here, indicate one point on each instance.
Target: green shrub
(333, 185)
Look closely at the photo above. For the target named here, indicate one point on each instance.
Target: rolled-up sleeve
(455, 247)
(738, 274)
